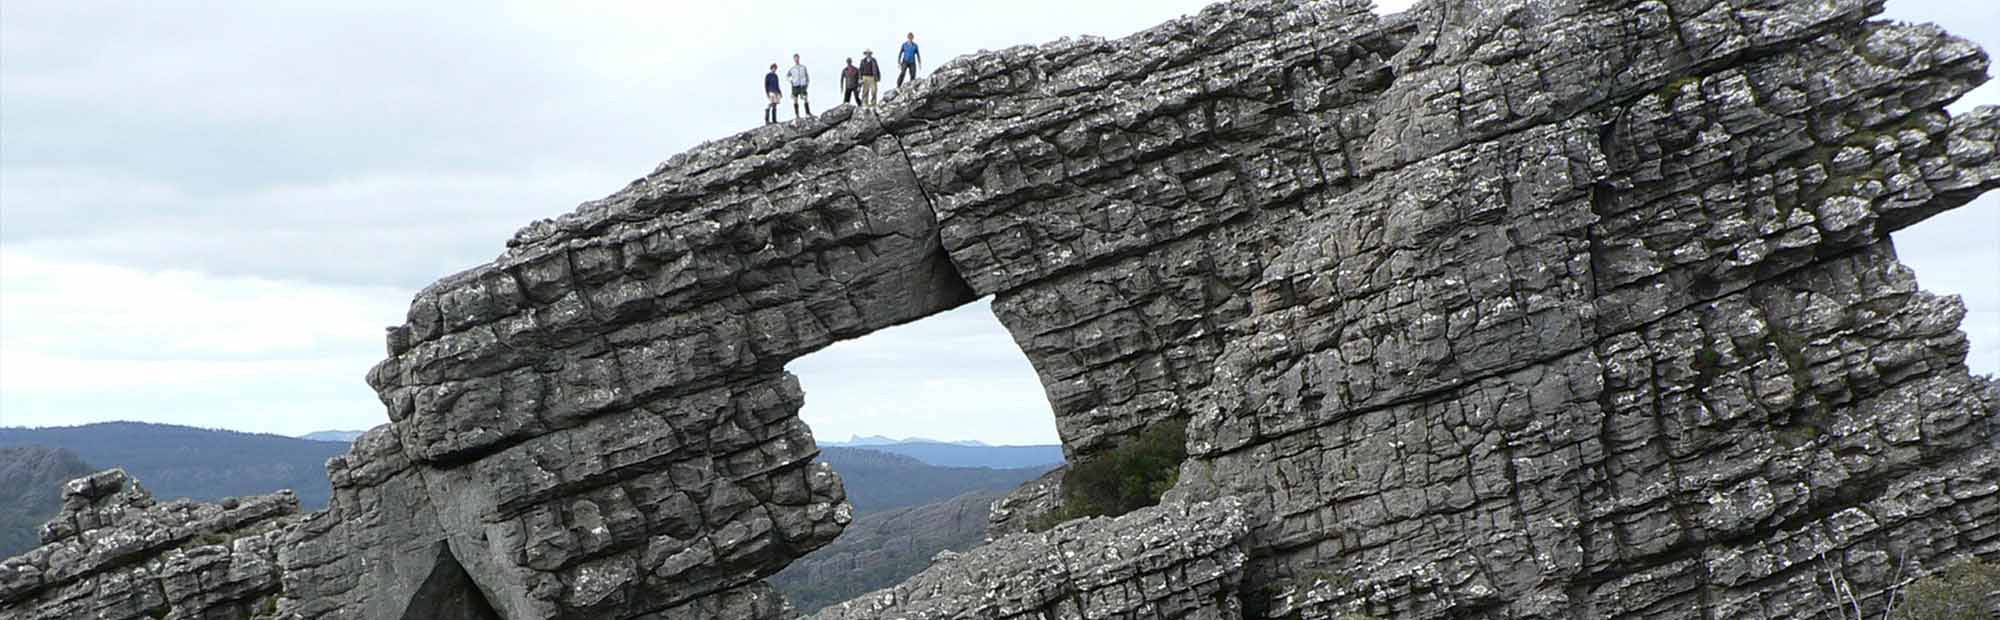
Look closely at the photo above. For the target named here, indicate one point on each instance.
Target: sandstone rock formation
(115, 553)
(1170, 561)
(1012, 513)
(1564, 309)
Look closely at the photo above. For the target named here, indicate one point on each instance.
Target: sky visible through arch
(209, 211)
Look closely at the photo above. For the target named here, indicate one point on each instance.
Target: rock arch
(606, 406)
(1336, 244)
(1566, 309)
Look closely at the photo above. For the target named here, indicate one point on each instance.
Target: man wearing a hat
(870, 74)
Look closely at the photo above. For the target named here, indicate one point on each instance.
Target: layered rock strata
(1170, 561)
(114, 552)
(1566, 309)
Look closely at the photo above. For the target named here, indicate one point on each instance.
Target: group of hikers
(857, 83)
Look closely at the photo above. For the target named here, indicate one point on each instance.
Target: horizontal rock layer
(113, 552)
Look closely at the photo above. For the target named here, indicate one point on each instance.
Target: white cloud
(400, 229)
(82, 341)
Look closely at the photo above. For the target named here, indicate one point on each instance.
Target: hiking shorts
(798, 92)
(774, 95)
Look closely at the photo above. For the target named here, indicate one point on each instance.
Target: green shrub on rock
(1959, 592)
(1128, 477)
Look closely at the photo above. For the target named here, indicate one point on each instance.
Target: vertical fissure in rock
(449, 593)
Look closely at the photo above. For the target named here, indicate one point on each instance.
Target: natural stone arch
(1316, 234)
(1554, 309)
(603, 411)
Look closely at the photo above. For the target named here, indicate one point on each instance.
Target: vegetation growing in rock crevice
(1958, 592)
(1128, 477)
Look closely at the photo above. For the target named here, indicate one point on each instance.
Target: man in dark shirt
(773, 92)
(850, 84)
(870, 74)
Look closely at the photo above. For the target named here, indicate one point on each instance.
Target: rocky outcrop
(1566, 309)
(1017, 511)
(1169, 561)
(113, 552)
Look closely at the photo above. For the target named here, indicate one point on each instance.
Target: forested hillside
(905, 512)
(182, 461)
(31, 479)
(878, 481)
(882, 549)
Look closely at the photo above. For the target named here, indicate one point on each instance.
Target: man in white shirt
(797, 76)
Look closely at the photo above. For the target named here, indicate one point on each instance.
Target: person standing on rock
(871, 72)
(908, 60)
(773, 93)
(850, 84)
(797, 75)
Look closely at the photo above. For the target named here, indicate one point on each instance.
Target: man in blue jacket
(908, 59)
(774, 93)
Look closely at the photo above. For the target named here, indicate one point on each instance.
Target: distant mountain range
(858, 441)
(200, 463)
(960, 453)
(339, 436)
(878, 481)
(209, 464)
(966, 453)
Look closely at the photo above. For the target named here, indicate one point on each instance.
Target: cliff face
(1567, 309)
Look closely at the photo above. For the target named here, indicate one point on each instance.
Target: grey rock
(1170, 561)
(1564, 309)
(115, 553)
(1017, 511)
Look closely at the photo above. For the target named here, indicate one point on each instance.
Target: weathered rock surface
(1564, 309)
(115, 553)
(1175, 561)
(1016, 511)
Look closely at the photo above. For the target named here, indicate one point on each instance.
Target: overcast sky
(209, 210)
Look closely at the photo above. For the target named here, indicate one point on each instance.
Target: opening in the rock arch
(449, 593)
(953, 378)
